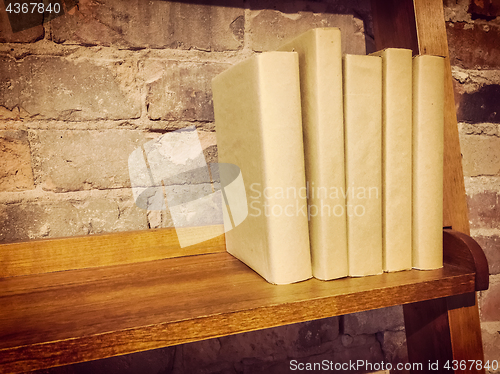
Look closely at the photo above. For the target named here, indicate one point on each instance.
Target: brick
(206, 25)
(367, 351)
(481, 155)
(485, 9)
(270, 350)
(15, 161)
(80, 215)
(491, 248)
(482, 105)
(484, 210)
(260, 348)
(200, 207)
(357, 347)
(272, 28)
(56, 88)
(373, 321)
(297, 340)
(490, 301)
(491, 343)
(182, 90)
(14, 114)
(7, 35)
(394, 347)
(474, 45)
(73, 160)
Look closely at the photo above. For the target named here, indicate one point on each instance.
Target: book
(363, 156)
(259, 129)
(320, 66)
(428, 144)
(396, 158)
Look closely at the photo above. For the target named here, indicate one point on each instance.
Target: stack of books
(341, 157)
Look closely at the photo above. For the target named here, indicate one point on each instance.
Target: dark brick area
(474, 45)
(480, 106)
(485, 9)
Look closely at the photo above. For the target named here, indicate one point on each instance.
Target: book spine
(428, 143)
(363, 142)
(397, 158)
(320, 65)
(259, 129)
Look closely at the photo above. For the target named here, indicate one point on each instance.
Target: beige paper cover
(428, 143)
(259, 129)
(396, 158)
(363, 142)
(320, 65)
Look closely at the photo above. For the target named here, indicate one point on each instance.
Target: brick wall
(79, 93)
(474, 40)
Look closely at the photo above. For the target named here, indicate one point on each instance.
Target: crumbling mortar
(486, 129)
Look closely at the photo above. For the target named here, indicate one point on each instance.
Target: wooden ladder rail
(447, 328)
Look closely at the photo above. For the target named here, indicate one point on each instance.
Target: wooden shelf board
(79, 315)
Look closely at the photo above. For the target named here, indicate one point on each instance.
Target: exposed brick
(485, 9)
(484, 210)
(271, 350)
(357, 347)
(75, 160)
(29, 35)
(56, 88)
(14, 114)
(15, 161)
(373, 321)
(491, 248)
(490, 300)
(474, 45)
(297, 340)
(206, 25)
(366, 349)
(394, 348)
(491, 343)
(482, 105)
(272, 28)
(260, 348)
(182, 90)
(79, 215)
(481, 155)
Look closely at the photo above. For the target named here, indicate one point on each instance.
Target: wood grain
(465, 330)
(57, 318)
(454, 323)
(428, 334)
(432, 39)
(48, 255)
(394, 24)
(463, 251)
(419, 26)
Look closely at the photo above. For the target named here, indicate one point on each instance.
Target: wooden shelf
(78, 315)
(78, 299)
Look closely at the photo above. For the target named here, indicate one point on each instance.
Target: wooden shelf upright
(77, 299)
